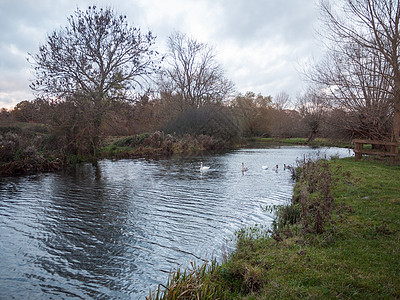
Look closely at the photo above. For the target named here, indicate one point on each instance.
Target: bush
(314, 194)
(215, 121)
(9, 145)
(29, 151)
(10, 129)
(288, 215)
(124, 142)
(154, 140)
(139, 139)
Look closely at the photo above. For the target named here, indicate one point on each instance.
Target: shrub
(313, 193)
(288, 215)
(124, 142)
(9, 145)
(154, 140)
(214, 121)
(205, 141)
(139, 139)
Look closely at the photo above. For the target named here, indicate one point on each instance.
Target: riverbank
(35, 148)
(317, 142)
(338, 239)
(160, 144)
(30, 148)
(27, 148)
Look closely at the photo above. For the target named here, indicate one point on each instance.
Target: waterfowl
(276, 168)
(244, 169)
(264, 167)
(203, 168)
(290, 168)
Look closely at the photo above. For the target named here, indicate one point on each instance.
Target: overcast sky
(262, 44)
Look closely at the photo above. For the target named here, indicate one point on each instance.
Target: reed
(192, 283)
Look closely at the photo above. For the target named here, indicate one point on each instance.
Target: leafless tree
(365, 37)
(253, 113)
(353, 82)
(280, 103)
(311, 107)
(193, 77)
(96, 59)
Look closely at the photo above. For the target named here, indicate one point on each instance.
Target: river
(114, 230)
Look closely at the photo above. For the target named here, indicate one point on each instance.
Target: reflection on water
(115, 229)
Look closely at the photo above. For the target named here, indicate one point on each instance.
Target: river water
(114, 230)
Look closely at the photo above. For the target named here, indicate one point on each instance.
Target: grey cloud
(246, 21)
(245, 24)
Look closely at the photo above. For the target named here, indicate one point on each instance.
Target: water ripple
(113, 230)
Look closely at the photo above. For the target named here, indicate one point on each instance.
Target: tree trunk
(312, 136)
(96, 135)
(396, 123)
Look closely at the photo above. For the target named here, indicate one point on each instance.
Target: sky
(262, 44)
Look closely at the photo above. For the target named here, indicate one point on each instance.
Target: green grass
(318, 142)
(356, 257)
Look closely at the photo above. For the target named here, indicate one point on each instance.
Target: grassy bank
(160, 144)
(33, 148)
(338, 239)
(318, 142)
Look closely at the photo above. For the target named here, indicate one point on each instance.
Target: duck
(290, 168)
(203, 168)
(244, 169)
(276, 168)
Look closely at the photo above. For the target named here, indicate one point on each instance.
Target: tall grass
(192, 283)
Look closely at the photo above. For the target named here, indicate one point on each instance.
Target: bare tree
(280, 103)
(96, 59)
(253, 113)
(370, 28)
(312, 110)
(192, 77)
(353, 81)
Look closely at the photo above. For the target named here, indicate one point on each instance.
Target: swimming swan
(203, 168)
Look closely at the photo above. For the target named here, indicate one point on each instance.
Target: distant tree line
(243, 115)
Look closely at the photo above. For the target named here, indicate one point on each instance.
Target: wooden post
(358, 146)
(390, 149)
(394, 150)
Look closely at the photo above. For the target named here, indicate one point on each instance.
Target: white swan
(243, 168)
(202, 169)
(264, 167)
